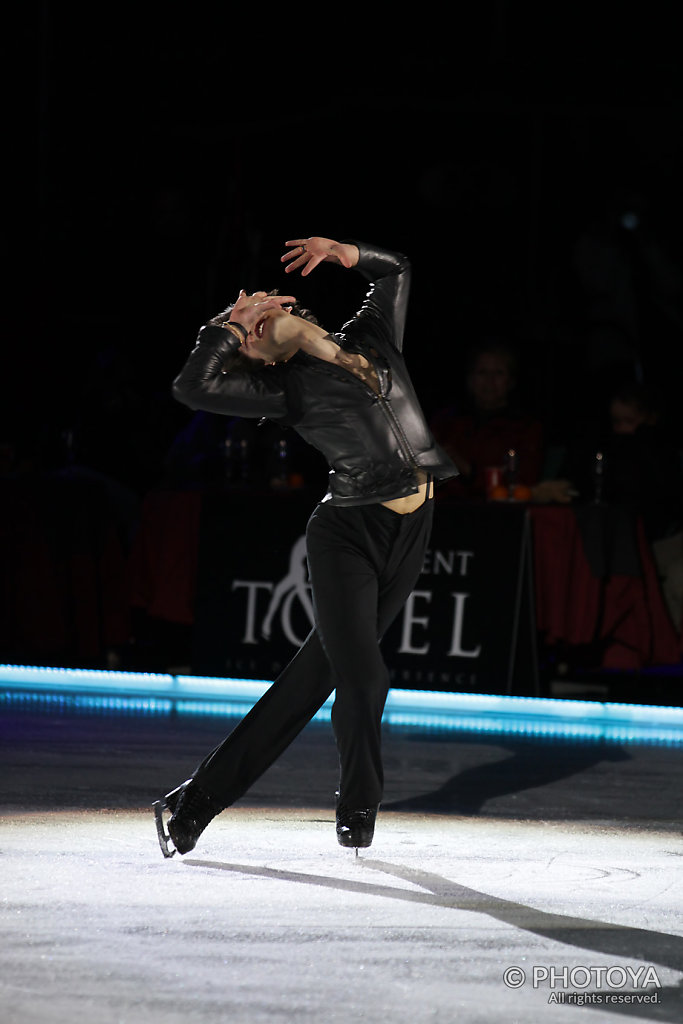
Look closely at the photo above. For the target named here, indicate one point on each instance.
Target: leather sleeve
(207, 381)
(386, 303)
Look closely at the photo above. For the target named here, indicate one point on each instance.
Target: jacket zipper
(399, 433)
(394, 422)
(389, 413)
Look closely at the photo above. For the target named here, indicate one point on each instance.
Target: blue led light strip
(487, 713)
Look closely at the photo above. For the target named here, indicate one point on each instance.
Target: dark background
(165, 153)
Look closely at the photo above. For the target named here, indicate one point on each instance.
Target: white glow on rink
(161, 693)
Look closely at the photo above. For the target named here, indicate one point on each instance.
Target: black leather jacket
(373, 443)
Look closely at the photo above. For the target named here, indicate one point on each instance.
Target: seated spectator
(479, 433)
(641, 469)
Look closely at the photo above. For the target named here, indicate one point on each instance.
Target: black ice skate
(355, 827)
(191, 811)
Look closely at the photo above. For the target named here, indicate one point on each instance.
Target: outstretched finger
(300, 261)
(312, 263)
(248, 300)
(298, 247)
(275, 301)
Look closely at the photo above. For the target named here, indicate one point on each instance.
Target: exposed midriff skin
(411, 501)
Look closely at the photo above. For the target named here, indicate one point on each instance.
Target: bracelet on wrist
(239, 330)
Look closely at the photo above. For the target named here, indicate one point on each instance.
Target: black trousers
(363, 563)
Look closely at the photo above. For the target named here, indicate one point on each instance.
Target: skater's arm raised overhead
(386, 302)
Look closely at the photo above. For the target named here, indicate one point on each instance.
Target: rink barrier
(161, 693)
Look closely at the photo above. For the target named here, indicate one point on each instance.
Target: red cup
(493, 477)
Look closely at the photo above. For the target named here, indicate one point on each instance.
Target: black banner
(467, 627)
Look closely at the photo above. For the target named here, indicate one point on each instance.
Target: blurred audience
(490, 435)
(212, 452)
(640, 468)
(122, 421)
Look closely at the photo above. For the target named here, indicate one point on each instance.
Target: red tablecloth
(64, 592)
(163, 560)
(624, 613)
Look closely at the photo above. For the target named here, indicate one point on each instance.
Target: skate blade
(159, 806)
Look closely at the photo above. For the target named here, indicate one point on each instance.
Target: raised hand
(307, 253)
(249, 309)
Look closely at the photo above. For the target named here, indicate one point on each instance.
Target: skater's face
(274, 336)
